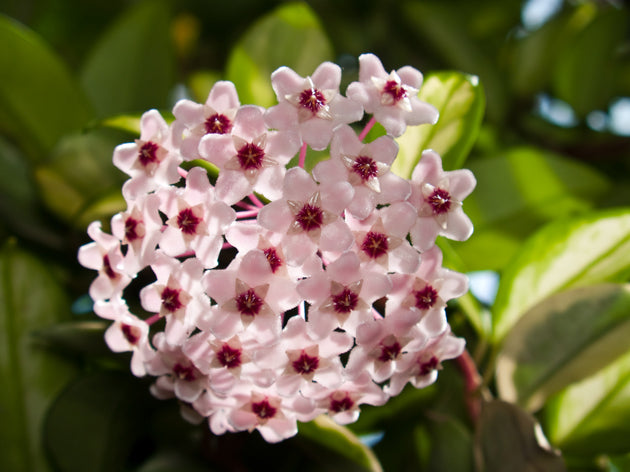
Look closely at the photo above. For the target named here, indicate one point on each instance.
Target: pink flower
(392, 98)
(129, 333)
(312, 104)
(438, 196)
(194, 120)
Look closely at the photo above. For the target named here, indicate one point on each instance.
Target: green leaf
(460, 100)
(31, 376)
(83, 337)
(565, 338)
(40, 99)
(586, 71)
(567, 253)
(325, 432)
(93, 424)
(290, 36)
(131, 69)
(450, 444)
(80, 183)
(593, 416)
(517, 192)
(508, 438)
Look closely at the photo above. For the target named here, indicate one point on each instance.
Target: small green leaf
(517, 192)
(508, 438)
(80, 182)
(460, 100)
(40, 99)
(31, 376)
(588, 249)
(341, 440)
(132, 68)
(565, 338)
(290, 36)
(93, 424)
(593, 416)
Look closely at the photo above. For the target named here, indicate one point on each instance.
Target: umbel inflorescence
(333, 294)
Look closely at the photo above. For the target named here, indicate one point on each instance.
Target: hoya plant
(314, 236)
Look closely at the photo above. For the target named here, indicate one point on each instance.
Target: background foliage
(534, 99)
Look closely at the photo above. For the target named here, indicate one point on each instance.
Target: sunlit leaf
(508, 438)
(593, 416)
(132, 68)
(566, 253)
(341, 440)
(460, 100)
(565, 338)
(80, 182)
(93, 424)
(517, 192)
(40, 99)
(290, 36)
(31, 376)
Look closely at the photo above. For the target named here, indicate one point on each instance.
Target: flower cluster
(329, 296)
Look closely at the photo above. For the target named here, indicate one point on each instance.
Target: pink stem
(245, 206)
(302, 158)
(153, 319)
(182, 172)
(367, 128)
(472, 384)
(256, 201)
(247, 214)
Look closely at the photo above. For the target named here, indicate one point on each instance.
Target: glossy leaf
(566, 253)
(508, 438)
(325, 432)
(40, 99)
(93, 424)
(460, 100)
(31, 376)
(131, 69)
(517, 192)
(565, 338)
(80, 183)
(290, 36)
(593, 416)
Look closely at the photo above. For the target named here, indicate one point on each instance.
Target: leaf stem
(367, 128)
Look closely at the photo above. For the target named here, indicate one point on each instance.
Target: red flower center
(248, 303)
(390, 353)
(272, 257)
(425, 298)
(147, 154)
(395, 90)
(187, 221)
(184, 372)
(365, 167)
(250, 156)
(264, 410)
(345, 301)
(170, 299)
(312, 99)
(218, 124)
(229, 357)
(429, 366)
(131, 229)
(343, 404)
(310, 217)
(131, 333)
(375, 244)
(107, 268)
(440, 201)
(305, 364)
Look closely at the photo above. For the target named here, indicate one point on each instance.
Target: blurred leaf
(510, 439)
(460, 100)
(517, 192)
(324, 431)
(93, 424)
(593, 416)
(30, 298)
(585, 71)
(200, 84)
(40, 99)
(83, 337)
(80, 183)
(565, 338)
(174, 461)
(290, 36)
(132, 68)
(128, 123)
(451, 445)
(568, 253)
